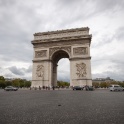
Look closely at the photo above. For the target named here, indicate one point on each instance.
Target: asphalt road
(61, 107)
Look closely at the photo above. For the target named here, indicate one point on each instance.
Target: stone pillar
(80, 74)
(42, 73)
(38, 74)
(54, 83)
(80, 66)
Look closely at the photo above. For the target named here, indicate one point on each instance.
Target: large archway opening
(63, 72)
(60, 58)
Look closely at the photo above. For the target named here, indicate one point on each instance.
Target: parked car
(11, 88)
(89, 88)
(116, 88)
(78, 88)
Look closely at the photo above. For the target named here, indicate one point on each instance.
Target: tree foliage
(107, 84)
(2, 78)
(14, 82)
(63, 84)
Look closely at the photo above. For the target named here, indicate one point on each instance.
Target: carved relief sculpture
(40, 71)
(81, 70)
(80, 51)
(42, 53)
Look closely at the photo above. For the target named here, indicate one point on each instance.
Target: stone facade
(50, 47)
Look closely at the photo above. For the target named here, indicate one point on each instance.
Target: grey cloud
(10, 53)
(103, 5)
(29, 70)
(63, 75)
(120, 34)
(103, 40)
(73, 10)
(17, 71)
(107, 39)
(114, 69)
(112, 75)
(6, 2)
(20, 71)
(8, 75)
(15, 41)
(18, 24)
(115, 57)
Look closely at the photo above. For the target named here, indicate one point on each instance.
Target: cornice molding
(61, 43)
(79, 58)
(37, 61)
(62, 31)
(82, 37)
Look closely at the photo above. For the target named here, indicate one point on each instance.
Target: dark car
(11, 88)
(89, 88)
(77, 88)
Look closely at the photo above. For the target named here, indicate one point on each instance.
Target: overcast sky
(20, 19)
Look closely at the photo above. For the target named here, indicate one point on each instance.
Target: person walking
(53, 88)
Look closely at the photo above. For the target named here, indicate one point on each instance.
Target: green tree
(2, 78)
(16, 83)
(8, 83)
(62, 84)
(22, 82)
(2, 82)
(27, 83)
(96, 84)
(103, 85)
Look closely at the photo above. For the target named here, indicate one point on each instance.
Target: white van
(116, 88)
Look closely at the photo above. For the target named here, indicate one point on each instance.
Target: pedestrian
(43, 87)
(39, 88)
(87, 88)
(46, 87)
(53, 87)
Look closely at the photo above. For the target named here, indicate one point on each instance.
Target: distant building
(100, 80)
(11, 79)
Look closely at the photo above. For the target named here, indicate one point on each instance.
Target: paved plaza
(61, 107)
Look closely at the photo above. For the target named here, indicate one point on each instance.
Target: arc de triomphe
(50, 47)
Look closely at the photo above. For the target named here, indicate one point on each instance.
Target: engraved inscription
(42, 53)
(80, 51)
(52, 50)
(40, 71)
(81, 70)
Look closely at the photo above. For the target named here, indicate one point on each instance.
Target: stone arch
(57, 55)
(67, 49)
(50, 47)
